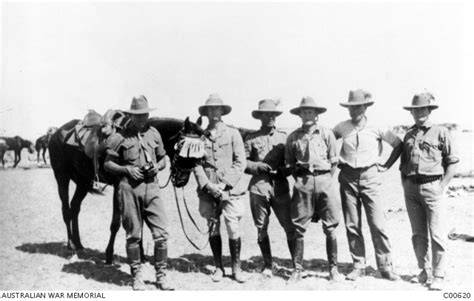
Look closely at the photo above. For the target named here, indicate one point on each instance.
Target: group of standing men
(309, 154)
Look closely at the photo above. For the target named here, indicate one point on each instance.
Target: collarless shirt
(314, 151)
(362, 146)
(427, 150)
(224, 160)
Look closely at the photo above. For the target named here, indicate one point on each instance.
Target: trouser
(314, 195)
(361, 187)
(427, 212)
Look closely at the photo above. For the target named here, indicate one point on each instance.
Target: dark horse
(71, 163)
(15, 144)
(41, 144)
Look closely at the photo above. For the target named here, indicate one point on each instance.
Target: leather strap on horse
(167, 182)
(182, 224)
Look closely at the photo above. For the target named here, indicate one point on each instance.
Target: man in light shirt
(360, 183)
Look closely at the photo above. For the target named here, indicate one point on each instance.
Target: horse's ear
(187, 125)
(199, 120)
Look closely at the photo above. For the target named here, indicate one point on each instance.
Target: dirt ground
(33, 255)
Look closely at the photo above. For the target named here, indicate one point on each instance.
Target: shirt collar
(425, 126)
(316, 130)
(360, 127)
(268, 131)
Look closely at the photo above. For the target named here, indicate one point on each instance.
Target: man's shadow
(87, 262)
(91, 264)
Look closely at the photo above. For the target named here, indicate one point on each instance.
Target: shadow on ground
(90, 264)
(60, 249)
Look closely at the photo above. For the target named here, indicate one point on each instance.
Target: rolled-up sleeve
(388, 136)
(160, 150)
(449, 149)
(113, 145)
(331, 147)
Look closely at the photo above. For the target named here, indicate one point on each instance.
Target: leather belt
(423, 179)
(359, 169)
(318, 172)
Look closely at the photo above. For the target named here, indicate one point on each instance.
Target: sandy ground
(33, 255)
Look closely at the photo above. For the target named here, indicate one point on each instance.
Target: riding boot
(216, 246)
(133, 255)
(331, 250)
(291, 247)
(161, 256)
(298, 252)
(267, 256)
(234, 246)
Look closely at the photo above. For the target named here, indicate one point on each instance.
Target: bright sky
(60, 59)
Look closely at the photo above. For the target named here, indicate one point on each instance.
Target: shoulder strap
(142, 145)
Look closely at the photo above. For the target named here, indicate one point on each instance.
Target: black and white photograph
(248, 147)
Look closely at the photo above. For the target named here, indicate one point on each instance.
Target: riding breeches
(232, 210)
(261, 209)
(142, 203)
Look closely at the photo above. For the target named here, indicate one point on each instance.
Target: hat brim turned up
(257, 113)
(421, 106)
(226, 109)
(141, 111)
(356, 103)
(296, 111)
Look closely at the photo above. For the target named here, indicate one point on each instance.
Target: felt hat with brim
(214, 101)
(266, 106)
(139, 106)
(422, 100)
(308, 103)
(357, 98)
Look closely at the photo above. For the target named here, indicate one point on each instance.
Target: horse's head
(30, 146)
(51, 130)
(188, 151)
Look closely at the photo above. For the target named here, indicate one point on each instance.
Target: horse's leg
(79, 195)
(44, 155)
(63, 189)
(114, 227)
(19, 158)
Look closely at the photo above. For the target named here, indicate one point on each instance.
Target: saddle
(86, 134)
(90, 134)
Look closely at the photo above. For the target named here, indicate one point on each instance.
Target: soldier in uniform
(136, 155)
(360, 182)
(428, 163)
(312, 156)
(218, 190)
(265, 151)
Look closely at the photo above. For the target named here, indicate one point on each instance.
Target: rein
(182, 223)
(167, 182)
